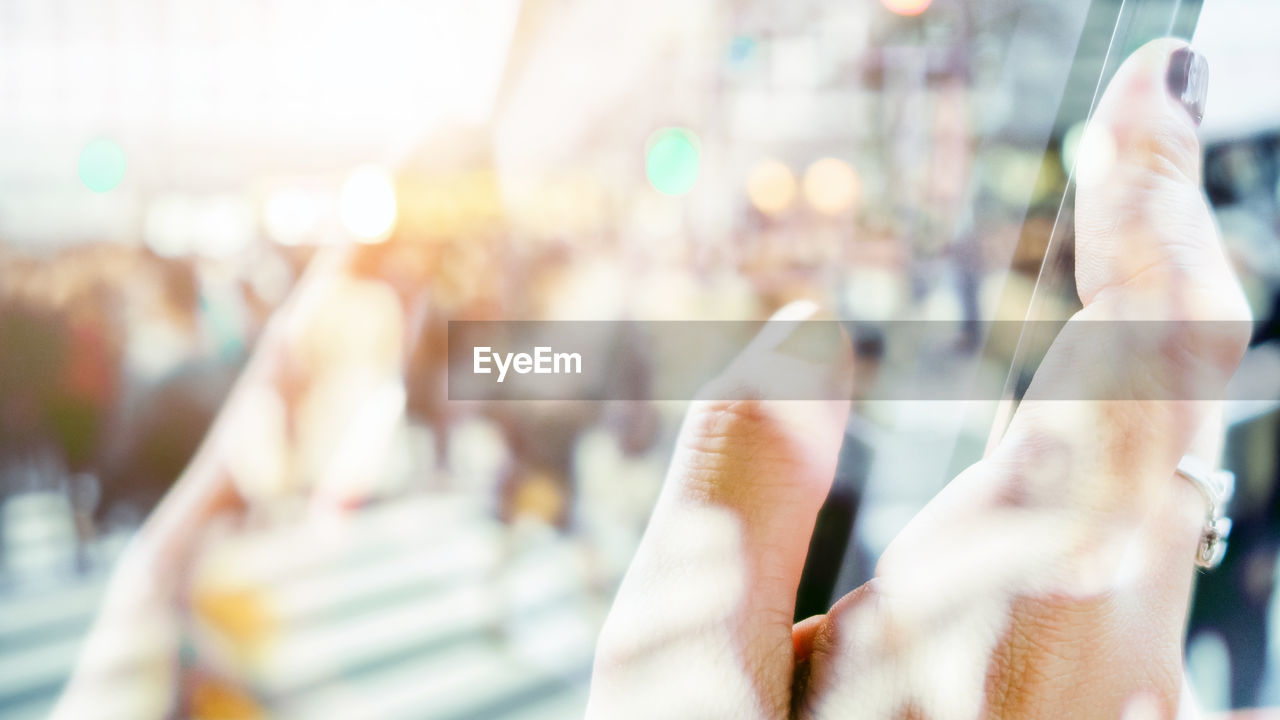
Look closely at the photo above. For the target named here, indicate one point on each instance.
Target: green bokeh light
(1071, 146)
(101, 165)
(671, 161)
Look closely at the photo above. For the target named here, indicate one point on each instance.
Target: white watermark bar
(828, 359)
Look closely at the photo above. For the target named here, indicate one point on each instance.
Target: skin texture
(1051, 579)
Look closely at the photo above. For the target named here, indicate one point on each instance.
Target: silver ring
(1217, 487)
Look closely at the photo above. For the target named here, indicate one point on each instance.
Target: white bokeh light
(292, 215)
(1095, 155)
(367, 206)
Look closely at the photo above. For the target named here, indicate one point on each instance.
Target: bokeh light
(741, 49)
(367, 205)
(771, 187)
(1071, 146)
(226, 225)
(831, 186)
(166, 224)
(1094, 155)
(672, 160)
(907, 7)
(215, 226)
(101, 165)
(291, 215)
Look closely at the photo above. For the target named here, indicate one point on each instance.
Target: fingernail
(782, 325)
(802, 331)
(1188, 81)
(795, 311)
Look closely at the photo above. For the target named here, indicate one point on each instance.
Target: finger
(1164, 322)
(134, 676)
(708, 599)
(1122, 391)
(219, 480)
(803, 634)
(1164, 319)
(1139, 207)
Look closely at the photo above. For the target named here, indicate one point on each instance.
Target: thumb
(1140, 215)
(1164, 322)
(1134, 375)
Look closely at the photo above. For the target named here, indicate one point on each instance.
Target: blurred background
(170, 169)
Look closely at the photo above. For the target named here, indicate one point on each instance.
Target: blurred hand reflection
(1051, 579)
(130, 666)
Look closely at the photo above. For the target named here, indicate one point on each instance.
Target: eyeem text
(542, 362)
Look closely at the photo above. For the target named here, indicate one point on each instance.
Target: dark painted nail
(1188, 81)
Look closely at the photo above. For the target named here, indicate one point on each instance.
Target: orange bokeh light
(907, 7)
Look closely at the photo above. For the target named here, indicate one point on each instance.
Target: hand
(129, 666)
(1050, 579)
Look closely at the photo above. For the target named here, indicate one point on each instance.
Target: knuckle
(712, 422)
(1163, 145)
(717, 435)
(721, 439)
(1170, 149)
